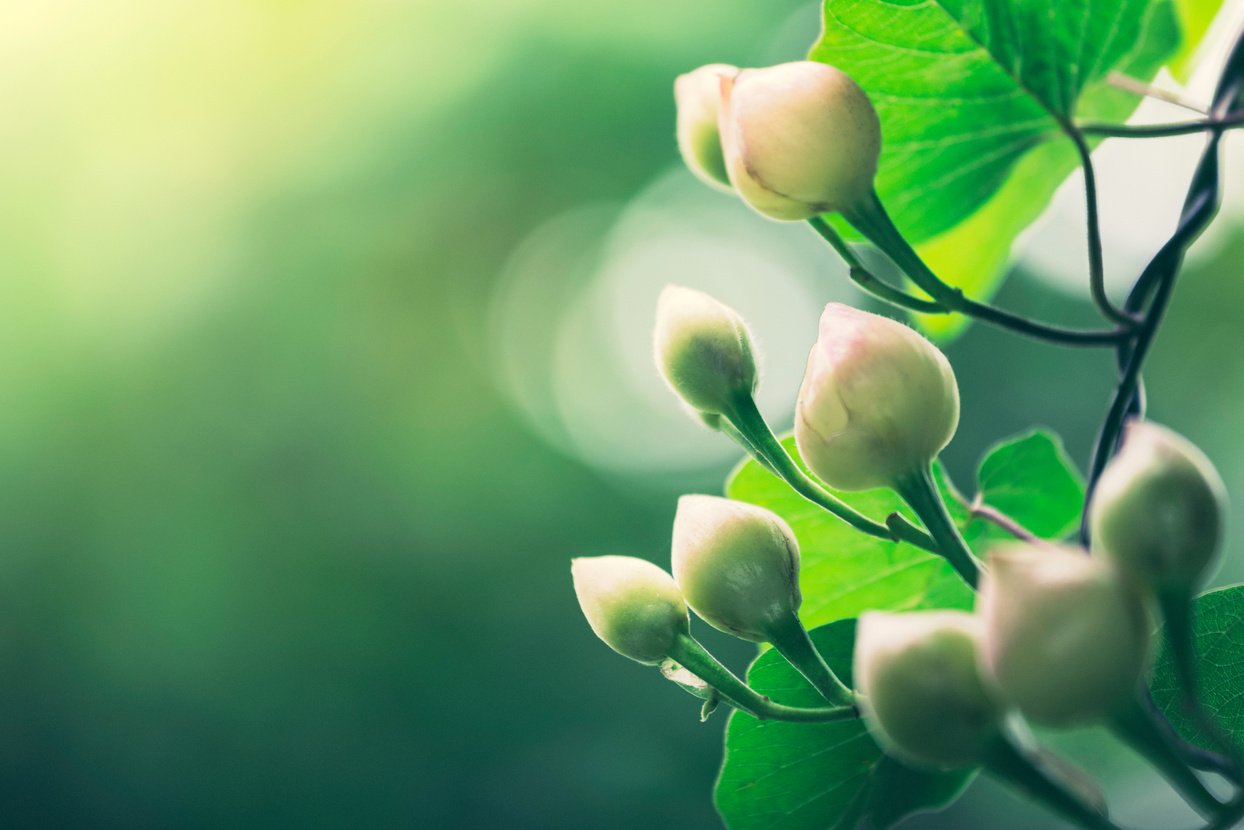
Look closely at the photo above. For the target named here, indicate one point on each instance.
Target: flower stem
(919, 491)
(752, 433)
(791, 640)
(1028, 773)
(866, 280)
(870, 218)
(692, 656)
(1158, 744)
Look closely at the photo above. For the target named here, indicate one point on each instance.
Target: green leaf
(973, 97)
(1195, 18)
(787, 776)
(1219, 633)
(1031, 479)
(844, 572)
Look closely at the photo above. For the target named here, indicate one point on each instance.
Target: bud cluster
(1061, 636)
(736, 565)
(793, 140)
(1058, 635)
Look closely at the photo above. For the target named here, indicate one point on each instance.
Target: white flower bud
(1157, 512)
(698, 96)
(631, 604)
(920, 688)
(704, 351)
(1065, 640)
(878, 401)
(799, 138)
(737, 565)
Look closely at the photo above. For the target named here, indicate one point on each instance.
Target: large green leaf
(786, 776)
(973, 97)
(1030, 479)
(1220, 650)
(844, 572)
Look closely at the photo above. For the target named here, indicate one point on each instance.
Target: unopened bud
(737, 565)
(1157, 512)
(704, 351)
(631, 604)
(921, 691)
(799, 138)
(698, 96)
(878, 401)
(1065, 640)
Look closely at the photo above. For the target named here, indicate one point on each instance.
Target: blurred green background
(324, 331)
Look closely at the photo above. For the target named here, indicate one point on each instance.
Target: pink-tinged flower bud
(704, 351)
(631, 604)
(878, 401)
(1157, 512)
(1066, 641)
(737, 565)
(799, 138)
(698, 96)
(920, 689)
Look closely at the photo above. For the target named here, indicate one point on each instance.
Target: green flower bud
(878, 401)
(799, 139)
(631, 604)
(920, 690)
(737, 565)
(704, 351)
(1065, 640)
(698, 96)
(1157, 512)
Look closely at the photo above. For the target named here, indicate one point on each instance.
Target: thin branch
(866, 280)
(1129, 84)
(869, 216)
(1225, 122)
(989, 513)
(1097, 268)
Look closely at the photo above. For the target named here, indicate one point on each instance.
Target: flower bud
(631, 604)
(704, 351)
(799, 139)
(878, 401)
(698, 96)
(1065, 640)
(921, 691)
(1157, 512)
(737, 565)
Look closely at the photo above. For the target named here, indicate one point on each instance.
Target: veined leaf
(974, 96)
(1219, 635)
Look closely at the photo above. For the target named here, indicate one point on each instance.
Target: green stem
(870, 218)
(865, 279)
(1158, 744)
(1032, 776)
(1097, 268)
(732, 432)
(759, 440)
(1159, 276)
(791, 640)
(692, 656)
(1230, 817)
(919, 491)
(1233, 119)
